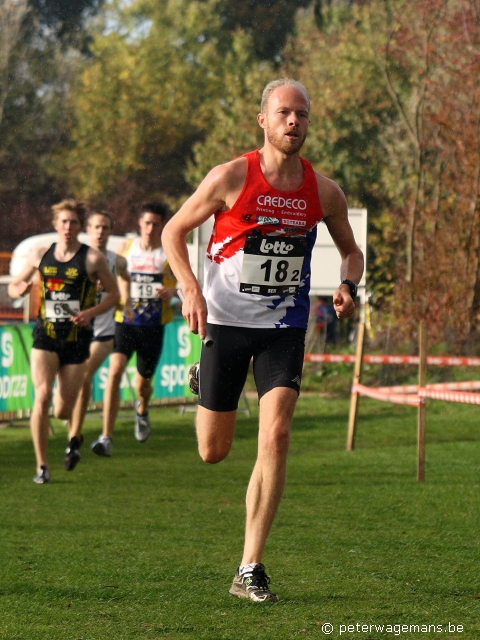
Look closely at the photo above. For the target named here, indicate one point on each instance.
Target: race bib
(144, 287)
(56, 311)
(272, 266)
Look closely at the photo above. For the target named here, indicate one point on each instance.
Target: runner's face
(99, 230)
(67, 225)
(151, 227)
(286, 119)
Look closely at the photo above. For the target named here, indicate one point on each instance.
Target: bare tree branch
(12, 19)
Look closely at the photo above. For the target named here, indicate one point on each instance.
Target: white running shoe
(142, 425)
(103, 446)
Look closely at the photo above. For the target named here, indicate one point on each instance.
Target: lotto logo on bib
(272, 266)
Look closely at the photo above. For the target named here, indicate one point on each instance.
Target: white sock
(247, 568)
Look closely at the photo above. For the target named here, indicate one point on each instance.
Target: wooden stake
(422, 409)
(354, 398)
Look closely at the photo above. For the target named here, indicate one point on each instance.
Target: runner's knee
(214, 452)
(43, 400)
(276, 439)
(116, 372)
(62, 410)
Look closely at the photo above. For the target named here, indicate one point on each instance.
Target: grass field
(145, 544)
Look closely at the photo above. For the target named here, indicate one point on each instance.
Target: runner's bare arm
(98, 269)
(335, 212)
(123, 281)
(217, 191)
(22, 283)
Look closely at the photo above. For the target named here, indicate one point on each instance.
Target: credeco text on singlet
(278, 201)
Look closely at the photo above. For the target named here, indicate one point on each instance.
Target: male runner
(68, 272)
(266, 204)
(152, 286)
(99, 228)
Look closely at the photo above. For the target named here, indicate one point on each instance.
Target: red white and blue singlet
(257, 267)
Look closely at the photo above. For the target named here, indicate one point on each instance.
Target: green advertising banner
(16, 389)
(181, 348)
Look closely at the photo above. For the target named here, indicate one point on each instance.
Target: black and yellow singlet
(65, 289)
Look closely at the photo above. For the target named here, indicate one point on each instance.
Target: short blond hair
(76, 207)
(281, 82)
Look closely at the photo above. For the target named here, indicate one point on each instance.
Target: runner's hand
(128, 312)
(342, 302)
(23, 288)
(194, 310)
(165, 293)
(82, 318)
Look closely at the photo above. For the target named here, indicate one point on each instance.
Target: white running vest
(104, 324)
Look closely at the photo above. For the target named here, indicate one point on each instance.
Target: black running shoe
(72, 453)
(193, 373)
(44, 476)
(253, 585)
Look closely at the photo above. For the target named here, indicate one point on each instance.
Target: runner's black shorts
(277, 362)
(69, 352)
(146, 341)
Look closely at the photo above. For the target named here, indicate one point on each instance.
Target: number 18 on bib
(272, 265)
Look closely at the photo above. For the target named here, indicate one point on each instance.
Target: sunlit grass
(145, 544)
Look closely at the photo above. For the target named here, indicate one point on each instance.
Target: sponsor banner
(16, 389)
(181, 348)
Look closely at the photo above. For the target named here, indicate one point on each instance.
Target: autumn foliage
(168, 88)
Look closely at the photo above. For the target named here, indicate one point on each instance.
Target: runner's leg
(215, 431)
(268, 477)
(149, 343)
(98, 352)
(144, 391)
(69, 382)
(44, 366)
(111, 398)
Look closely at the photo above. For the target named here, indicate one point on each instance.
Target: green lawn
(145, 544)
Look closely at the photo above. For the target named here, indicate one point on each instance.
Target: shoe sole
(142, 438)
(241, 593)
(193, 383)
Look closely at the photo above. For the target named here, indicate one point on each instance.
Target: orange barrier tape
(414, 400)
(401, 388)
(437, 386)
(328, 357)
(431, 360)
(451, 396)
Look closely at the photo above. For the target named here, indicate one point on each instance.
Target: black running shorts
(277, 362)
(68, 352)
(146, 341)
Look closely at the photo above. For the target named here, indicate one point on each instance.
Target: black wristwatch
(353, 288)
